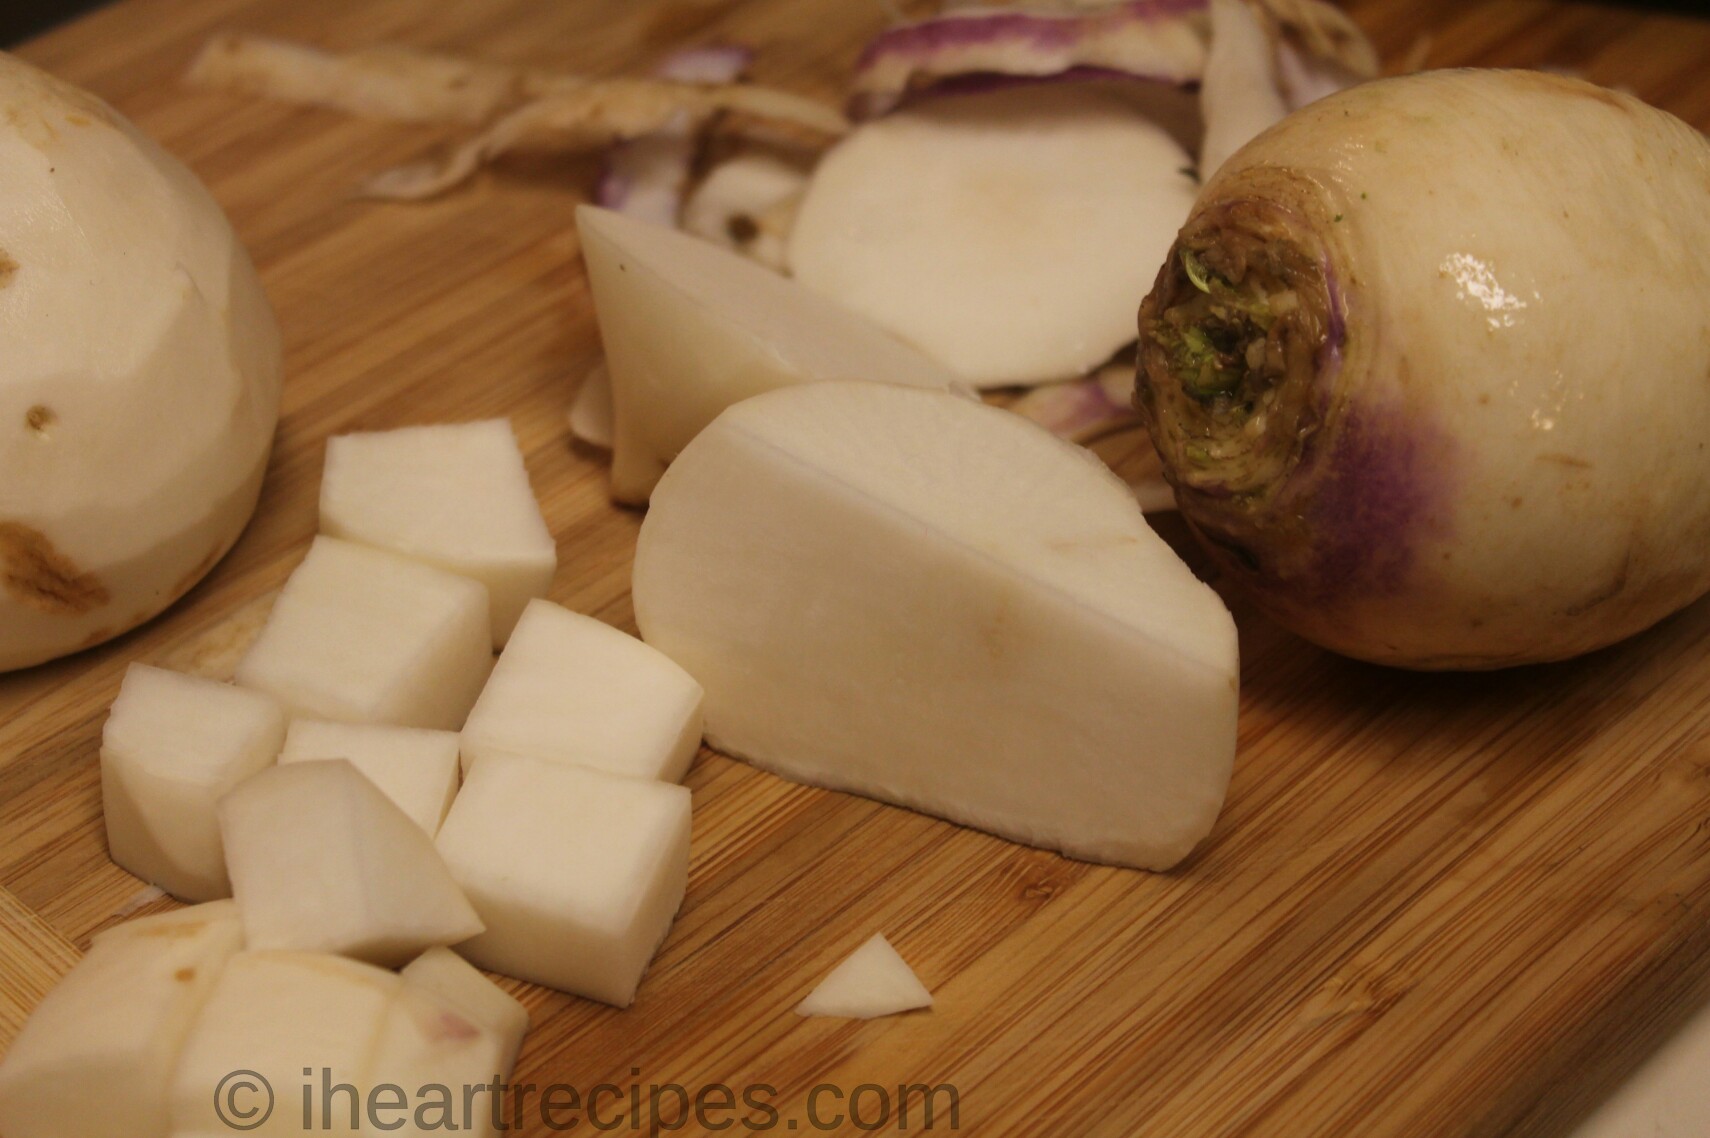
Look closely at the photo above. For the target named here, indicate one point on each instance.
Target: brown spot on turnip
(1516, 503)
(8, 269)
(99, 636)
(184, 975)
(1617, 584)
(37, 574)
(1484, 400)
(38, 419)
(1560, 459)
(742, 229)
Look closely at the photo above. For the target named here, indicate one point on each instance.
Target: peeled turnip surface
(590, 415)
(873, 981)
(1427, 368)
(415, 767)
(1240, 94)
(690, 328)
(934, 602)
(1006, 235)
(129, 314)
(95, 1058)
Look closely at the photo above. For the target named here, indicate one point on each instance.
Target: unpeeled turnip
(1429, 367)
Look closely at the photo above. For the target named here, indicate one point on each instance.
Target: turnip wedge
(936, 603)
(1240, 95)
(1007, 234)
(596, 113)
(690, 328)
(1427, 368)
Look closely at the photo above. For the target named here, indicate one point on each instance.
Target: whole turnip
(1429, 368)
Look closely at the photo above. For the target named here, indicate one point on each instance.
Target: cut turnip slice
(934, 602)
(1008, 235)
(747, 203)
(1240, 95)
(873, 981)
(1083, 409)
(414, 767)
(690, 328)
(591, 408)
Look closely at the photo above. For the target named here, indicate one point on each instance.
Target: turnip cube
(573, 689)
(939, 604)
(413, 766)
(577, 873)
(359, 635)
(456, 496)
(277, 1014)
(173, 744)
(95, 1058)
(453, 979)
(872, 981)
(322, 860)
(447, 1029)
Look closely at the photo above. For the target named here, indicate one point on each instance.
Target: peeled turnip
(139, 373)
(1429, 367)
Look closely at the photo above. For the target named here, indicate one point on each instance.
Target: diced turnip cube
(96, 1057)
(456, 496)
(360, 635)
(872, 981)
(577, 873)
(173, 744)
(937, 603)
(452, 978)
(322, 860)
(413, 766)
(279, 1014)
(573, 689)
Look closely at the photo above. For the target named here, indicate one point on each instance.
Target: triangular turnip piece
(934, 602)
(872, 981)
(690, 328)
(1010, 235)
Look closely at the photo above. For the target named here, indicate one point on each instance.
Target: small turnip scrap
(321, 860)
(362, 635)
(1427, 368)
(171, 747)
(873, 981)
(577, 873)
(460, 984)
(416, 768)
(453, 495)
(572, 689)
(95, 1058)
(936, 603)
(690, 328)
(747, 203)
(1006, 235)
(1240, 95)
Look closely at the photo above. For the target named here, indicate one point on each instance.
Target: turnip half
(1429, 367)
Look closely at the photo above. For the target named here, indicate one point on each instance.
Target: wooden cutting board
(1434, 905)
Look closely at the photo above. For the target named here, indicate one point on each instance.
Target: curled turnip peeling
(1239, 96)
(1005, 234)
(747, 203)
(1427, 368)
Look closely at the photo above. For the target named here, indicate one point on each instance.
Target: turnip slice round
(1240, 95)
(1009, 235)
(690, 328)
(934, 602)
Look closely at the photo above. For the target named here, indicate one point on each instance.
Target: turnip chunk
(455, 496)
(361, 635)
(172, 745)
(690, 328)
(95, 1058)
(1006, 234)
(591, 409)
(457, 982)
(936, 603)
(746, 203)
(873, 981)
(1428, 365)
(322, 861)
(572, 689)
(414, 767)
(277, 1014)
(576, 872)
(1240, 94)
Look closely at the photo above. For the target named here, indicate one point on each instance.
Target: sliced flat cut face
(1008, 235)
(690, 328)
(933, 602)
(873, 981)
(413, 766)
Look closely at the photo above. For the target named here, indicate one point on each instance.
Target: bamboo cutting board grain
(1434, 905)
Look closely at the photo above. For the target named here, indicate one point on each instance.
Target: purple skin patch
(1019, 28)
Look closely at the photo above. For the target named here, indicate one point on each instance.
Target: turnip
(140, 383)
(872, 981)
(1428, 368)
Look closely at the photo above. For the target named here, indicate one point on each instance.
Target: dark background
(20, 19)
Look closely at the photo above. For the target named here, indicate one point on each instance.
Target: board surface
(1434, 905)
